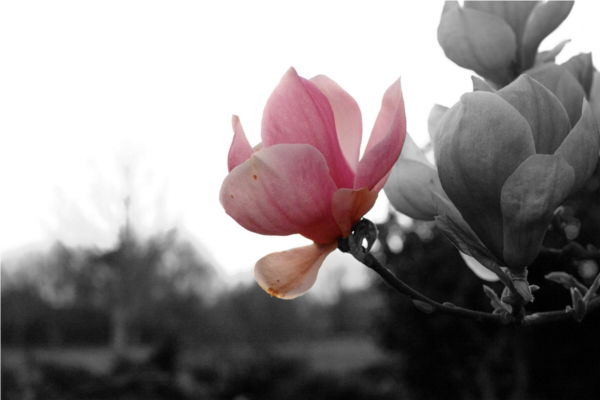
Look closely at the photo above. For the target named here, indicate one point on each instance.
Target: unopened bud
(579, 305)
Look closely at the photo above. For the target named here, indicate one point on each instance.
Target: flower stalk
(365, 230)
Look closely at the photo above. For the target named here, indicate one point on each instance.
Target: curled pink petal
(282, 190)
(385, 143)
(289, 274)
(240, 149)
(298, 112)
(349, 205)
(348, 120)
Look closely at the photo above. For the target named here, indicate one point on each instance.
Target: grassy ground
(335, 355)
(349, 367)
(332, 355)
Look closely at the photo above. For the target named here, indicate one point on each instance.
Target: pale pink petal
(385, 142)
(240, 149)
(478, 268)
(281, 190)
(298, 112)
(410, 151)
(348, 121)
(289, 274)
(349, 205)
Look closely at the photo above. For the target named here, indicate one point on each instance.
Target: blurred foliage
(71, 295)
(68, 296)
(186, 334)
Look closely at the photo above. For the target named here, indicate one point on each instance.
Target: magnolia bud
(507, 159)
(478, 41)
(499, 39)
(578, 304)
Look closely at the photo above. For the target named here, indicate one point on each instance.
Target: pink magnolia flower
(306, 176)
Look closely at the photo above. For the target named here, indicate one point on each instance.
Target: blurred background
(123, 278)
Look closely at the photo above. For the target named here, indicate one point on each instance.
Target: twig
(558, 315)
(573, 250)
(528, 320)
(388, 276)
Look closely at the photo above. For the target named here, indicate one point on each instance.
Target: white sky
(87, 86)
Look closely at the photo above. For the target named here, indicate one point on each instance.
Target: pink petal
(281, 190)
(298, 112)
(240, 149)
(348, 121)
(385, 142)
(349, 205)
(289, 274)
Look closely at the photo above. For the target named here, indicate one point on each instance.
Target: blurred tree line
(143, 290)
(147, 288)
(446, 357)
